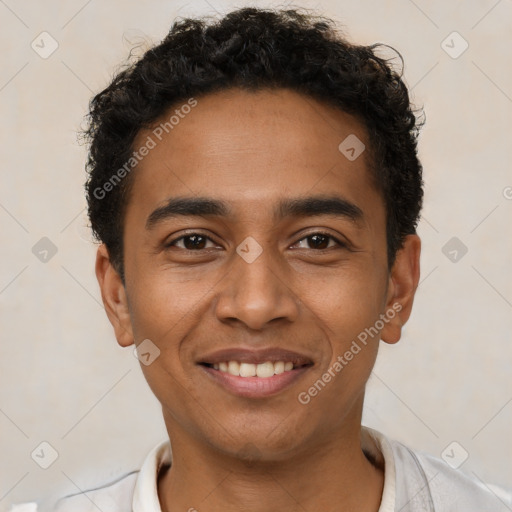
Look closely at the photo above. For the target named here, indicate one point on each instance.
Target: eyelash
(340, 243)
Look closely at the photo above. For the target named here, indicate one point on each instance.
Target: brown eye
(319, 241)
(192, 242)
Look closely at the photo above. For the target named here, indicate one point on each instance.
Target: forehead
(249, 148)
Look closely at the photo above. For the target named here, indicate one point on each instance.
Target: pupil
(319, 241)
(197, 242)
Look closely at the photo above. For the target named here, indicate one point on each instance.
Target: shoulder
(114, 496)
(431, 481)
(134, 490)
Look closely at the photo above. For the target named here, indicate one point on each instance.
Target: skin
(252, 150)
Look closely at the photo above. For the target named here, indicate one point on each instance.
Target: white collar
(145, 494)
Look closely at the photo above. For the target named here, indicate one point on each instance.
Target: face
(277, 243)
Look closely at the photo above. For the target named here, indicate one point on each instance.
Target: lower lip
(255, 387)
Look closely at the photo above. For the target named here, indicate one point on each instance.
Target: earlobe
(114, 297)
(404, 279)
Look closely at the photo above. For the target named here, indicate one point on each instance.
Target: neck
(330, 476)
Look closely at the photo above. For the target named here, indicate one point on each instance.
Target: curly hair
(255, 49)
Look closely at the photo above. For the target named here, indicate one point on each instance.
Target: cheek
(346, 300)
(166, 310)
(162, 307)
(346, 305)
(165, 313)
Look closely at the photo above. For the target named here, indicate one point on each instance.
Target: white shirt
(413, 482)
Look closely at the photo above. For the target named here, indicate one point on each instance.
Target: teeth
(233, 367)
(279, 367)
(263, 370)
(246, 370)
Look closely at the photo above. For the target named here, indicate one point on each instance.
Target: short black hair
(255, 49)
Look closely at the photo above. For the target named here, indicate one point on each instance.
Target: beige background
(65, 381)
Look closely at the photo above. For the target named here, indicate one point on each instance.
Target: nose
(256, 293)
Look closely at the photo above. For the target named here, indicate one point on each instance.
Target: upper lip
(255, 356)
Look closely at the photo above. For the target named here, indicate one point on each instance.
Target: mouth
(254, 374)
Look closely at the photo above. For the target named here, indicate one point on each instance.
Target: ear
(403, 282)
(114, 298)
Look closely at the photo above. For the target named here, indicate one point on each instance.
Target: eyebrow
(295, 207)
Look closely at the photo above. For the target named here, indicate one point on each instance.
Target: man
(255, 187)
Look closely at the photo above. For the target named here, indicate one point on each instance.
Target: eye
(197, 242)
(320, 241)
(191, 242)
